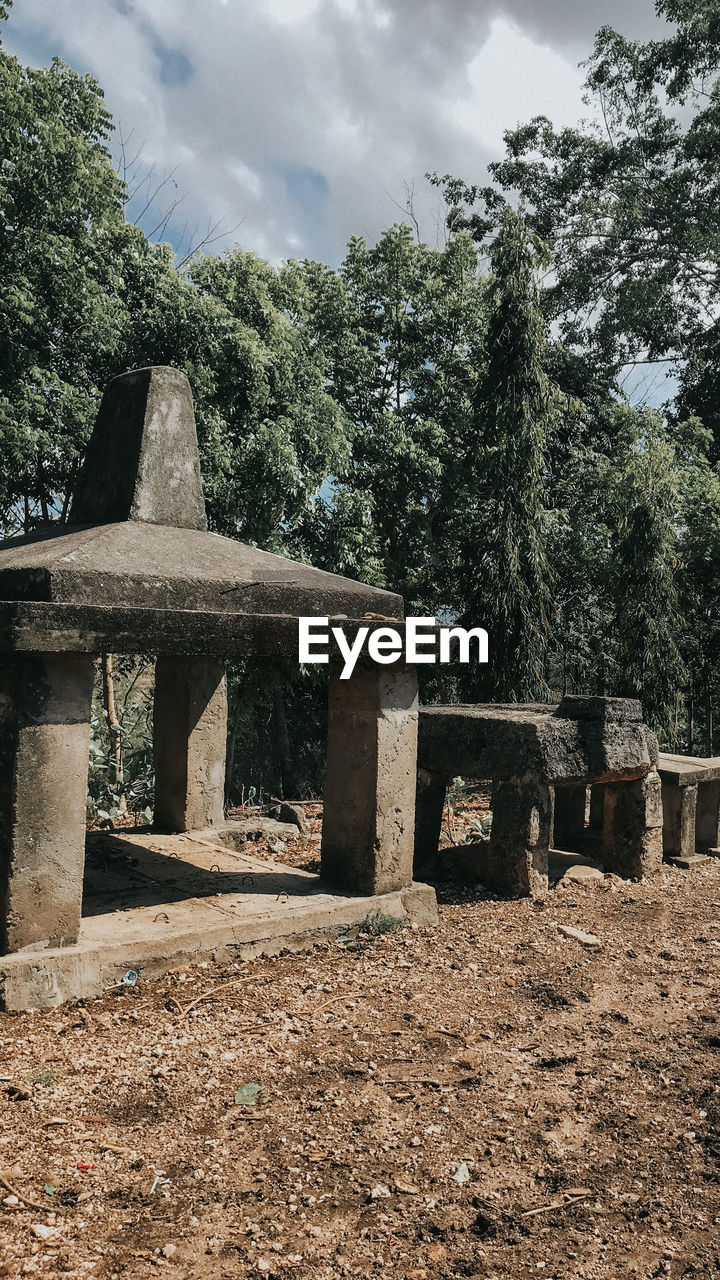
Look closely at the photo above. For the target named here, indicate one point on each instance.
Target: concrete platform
(153, 903)
(684, 770)
(690, 861)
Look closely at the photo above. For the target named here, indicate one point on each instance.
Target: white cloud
(512, 79)
(303, 119)
(247, 178)
(289, 10)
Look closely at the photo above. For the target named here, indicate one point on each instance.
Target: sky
(290, 125)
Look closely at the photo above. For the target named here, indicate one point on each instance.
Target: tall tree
(401, 327)
(506, 579)
(644, 485)
(628, 202)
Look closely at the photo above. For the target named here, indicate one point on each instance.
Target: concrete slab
(154, 903)
(564, 866)
(691, 862)
(578, 740)
(683, 770)
(131, 564)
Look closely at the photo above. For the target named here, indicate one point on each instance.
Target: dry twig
(33, 1204)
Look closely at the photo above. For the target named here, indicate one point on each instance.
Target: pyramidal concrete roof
(138, 565)
(137, 544)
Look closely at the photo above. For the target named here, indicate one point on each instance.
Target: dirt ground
(490, 1098)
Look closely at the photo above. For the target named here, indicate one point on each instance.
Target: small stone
(580, 874)
(11, 1200)
(407, 1187)
(585, 939)
(380, 1192)
(42, 1231)
(169, 1250)
(293, 813)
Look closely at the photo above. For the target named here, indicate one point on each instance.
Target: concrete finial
(142, 462)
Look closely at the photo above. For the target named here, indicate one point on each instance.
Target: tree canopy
(448, 421)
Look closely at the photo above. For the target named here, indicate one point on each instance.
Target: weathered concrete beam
(517, 863)
(707, 816)
(679, 804)
(45, 707)
(369, 805)
(40, 627)
(189, 741)
(580, 740)
(632, 834)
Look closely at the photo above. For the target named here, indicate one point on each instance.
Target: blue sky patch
(305, 187)
(175, 66)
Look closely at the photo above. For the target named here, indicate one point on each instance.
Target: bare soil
(575, 1088)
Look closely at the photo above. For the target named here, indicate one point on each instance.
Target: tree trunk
(288, 786)
(690, 718)
(113, 724)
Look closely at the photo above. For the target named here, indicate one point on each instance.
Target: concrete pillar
(569, 819)
(632, 835)
(597, 806)
(369, 805)
(678, 804)
(517, 864)
(45, 703)
(429, 808)
(707, 816)
(189, 741)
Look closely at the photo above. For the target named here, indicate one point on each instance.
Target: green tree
(58, 299)
(84, 295)
(627, 202)
(505, 583)
(401, 327)
(699, 580)
(644, 485)
(270, 432)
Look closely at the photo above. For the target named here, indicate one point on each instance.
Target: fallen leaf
(409, 1188)
(248, 1095)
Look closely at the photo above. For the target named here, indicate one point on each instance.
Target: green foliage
(268, 700)
(506, 578)
(410, 419)
(400, 327)
(645, 560)
(270, 433)
(626, 202)
(60, 204)
(627, 205)
(135, 788)
(379, 922)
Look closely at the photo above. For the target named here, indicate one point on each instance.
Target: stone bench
(691, 804)
(541, 759)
